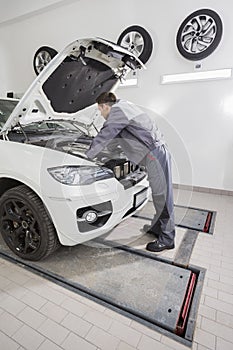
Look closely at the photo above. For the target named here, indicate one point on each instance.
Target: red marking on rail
(207, 223)
(186, 305)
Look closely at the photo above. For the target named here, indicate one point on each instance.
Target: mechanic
(143, 144)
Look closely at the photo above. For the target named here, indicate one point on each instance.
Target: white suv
(50, 192)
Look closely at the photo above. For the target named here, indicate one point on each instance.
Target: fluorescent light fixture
(195, 76)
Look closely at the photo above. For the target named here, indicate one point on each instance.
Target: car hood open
(73, 80)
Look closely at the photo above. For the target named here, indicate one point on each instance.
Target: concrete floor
(37, 314)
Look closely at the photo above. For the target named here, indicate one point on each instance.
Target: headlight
(80, 175)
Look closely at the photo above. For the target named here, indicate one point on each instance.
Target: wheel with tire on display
(25, 225)
(42, 57)
(199, 34)
(138, 41)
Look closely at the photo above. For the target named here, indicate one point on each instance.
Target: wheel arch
(39, 238)
(6, 183)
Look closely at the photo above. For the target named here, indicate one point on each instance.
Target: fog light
(90, 216)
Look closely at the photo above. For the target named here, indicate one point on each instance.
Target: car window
(48, 126)
(6, 107)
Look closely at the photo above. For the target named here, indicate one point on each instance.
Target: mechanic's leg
(159, 175)
(159, 201)
(158, 186)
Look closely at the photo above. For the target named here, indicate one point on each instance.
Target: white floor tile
(37, 314)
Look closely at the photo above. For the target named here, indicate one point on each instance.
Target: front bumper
(67, 208)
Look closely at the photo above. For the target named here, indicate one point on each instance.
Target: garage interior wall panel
(11, 9)
(195, 117)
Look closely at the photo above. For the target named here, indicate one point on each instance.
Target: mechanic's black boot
(156, 246)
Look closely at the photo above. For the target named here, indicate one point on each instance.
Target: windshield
(6, 107)
(48, 126)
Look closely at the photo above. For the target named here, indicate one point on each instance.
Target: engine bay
(68, 138)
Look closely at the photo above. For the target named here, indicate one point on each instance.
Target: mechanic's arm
(115, 123)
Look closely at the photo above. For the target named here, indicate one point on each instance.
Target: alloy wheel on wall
(199, 34)
(42, 57)
(137, 40)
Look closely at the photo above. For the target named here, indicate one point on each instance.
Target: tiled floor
(37, 314)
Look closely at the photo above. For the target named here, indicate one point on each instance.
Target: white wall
(196, 118)
(11, 9)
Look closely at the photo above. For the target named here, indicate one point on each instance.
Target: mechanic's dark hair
(106, 97)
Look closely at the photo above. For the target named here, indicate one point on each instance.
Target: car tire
(25, 225)
(199, 34)
(42, 57)
(138, 41)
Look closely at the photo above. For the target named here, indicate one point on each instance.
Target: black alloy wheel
(138, 41)
(199, 34)
(25, 225)
(42, 57)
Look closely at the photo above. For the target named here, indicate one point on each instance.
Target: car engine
(77, 144)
